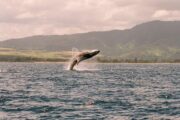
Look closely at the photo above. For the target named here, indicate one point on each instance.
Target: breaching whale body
(82, 56)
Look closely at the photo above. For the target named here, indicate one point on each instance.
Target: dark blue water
(94, 92)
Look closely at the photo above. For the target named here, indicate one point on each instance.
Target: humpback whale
(82, 56)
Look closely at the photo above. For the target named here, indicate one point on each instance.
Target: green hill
(148, 41)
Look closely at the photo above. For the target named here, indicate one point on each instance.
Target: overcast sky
(19, 18)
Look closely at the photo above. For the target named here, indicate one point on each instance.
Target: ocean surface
(47, 91)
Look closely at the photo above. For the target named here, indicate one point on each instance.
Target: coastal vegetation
(13, 55)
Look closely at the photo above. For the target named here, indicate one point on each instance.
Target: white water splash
(83, 66)
(75, 51)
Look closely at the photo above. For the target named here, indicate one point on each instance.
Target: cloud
(19, 18)
(161, 13)
(167, 15)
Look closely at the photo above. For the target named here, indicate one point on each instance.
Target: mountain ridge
(154, 39)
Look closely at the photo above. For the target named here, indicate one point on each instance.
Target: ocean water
(47, 91)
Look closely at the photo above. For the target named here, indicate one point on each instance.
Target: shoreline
(92, 62)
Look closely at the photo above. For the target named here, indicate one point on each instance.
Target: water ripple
(105, 91)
